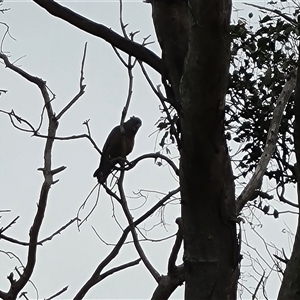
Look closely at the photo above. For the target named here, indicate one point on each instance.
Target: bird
(117, 146)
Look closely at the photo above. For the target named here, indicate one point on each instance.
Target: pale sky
(52, 49)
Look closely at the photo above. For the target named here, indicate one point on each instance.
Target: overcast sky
(52, 49)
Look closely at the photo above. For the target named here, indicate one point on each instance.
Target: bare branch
(275, 11)
(258, 285)
(120, 57)
(79, 223)
(57, 231)
(48, 181)
(137, 245)
(58, 293)
(9, 225)
(6, 32)
(155, 156)
(14, 117)
(73, 137)
(39, 82)
(119, 268)
(256, 180)
(176, 248)
(93, 279)
(99, 30)
(15, 241)
(81, 87)
(284, 260)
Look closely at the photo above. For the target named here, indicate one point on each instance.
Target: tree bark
(194, 38)
(290, 287)
(207, 186)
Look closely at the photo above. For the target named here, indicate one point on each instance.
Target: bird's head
(135, 122)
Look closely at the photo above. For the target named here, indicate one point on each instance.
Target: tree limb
(99, 30)
(17, 285)
(176, 248)
(256, 180)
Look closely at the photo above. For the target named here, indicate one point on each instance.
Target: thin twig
(119, 268)
(137, 244)
(9, 225)
(81, 87)
(275, 11)
(57, 294)
(79, 223)
(93, 279)
(15, 241)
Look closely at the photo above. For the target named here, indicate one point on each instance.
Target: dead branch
(80, 222)
(15, 241)
(7, 33)
(57, 294)
(9, 225)
(155, 156)
(93, 279)
(256, 180)
(284, 260)
(17, 285)
(14, 117)
(144, 239)
(57, 231)
(119, 268)
(176, 248)
(274, 11)
(72, 137)
(258, 285)
(99, 30)
(136, 242)
(81, 87)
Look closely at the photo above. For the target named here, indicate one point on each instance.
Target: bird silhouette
(117, 146)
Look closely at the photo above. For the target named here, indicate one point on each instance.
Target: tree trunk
(195, 53)
(290, 287)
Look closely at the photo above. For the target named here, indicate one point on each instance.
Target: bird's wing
(111, 139)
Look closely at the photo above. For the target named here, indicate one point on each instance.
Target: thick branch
(99, 30)
(17, 285)
(176, 275)
(176, 248)
(168, 284)
(256, 180)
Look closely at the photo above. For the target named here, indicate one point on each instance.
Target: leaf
(265, 19)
